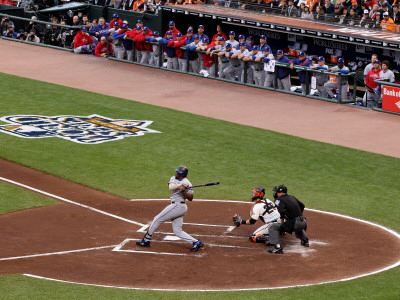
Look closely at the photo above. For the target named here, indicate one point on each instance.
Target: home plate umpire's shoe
(143, 243)
(277, 250)
(196, 246)
(305, 243)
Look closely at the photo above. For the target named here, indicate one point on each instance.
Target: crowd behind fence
(224, 57)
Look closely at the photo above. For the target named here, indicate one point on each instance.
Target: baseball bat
(206, 184)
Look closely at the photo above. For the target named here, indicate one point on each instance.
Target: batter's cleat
(276, 250)
(143, 243)
(196, 246)
(305, 243)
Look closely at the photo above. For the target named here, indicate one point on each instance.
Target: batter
(181, 191)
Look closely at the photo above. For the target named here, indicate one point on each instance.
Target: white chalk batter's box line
(229, 227)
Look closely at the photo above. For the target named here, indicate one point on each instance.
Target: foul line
(70, 201)
(56, 253)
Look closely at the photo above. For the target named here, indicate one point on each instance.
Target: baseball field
(325, 177)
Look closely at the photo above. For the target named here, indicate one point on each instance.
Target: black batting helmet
(279, 189)
(257, 193)
(182, 171)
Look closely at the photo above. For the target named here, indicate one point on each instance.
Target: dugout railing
(353, 85)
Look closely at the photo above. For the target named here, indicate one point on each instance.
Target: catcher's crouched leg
(259, 238)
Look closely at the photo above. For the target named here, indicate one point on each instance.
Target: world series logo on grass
(93, 129)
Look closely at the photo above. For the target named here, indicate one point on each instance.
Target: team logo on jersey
(93, 129)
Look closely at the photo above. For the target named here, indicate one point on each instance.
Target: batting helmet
(257, 193)
(182, 171)
(279, 189)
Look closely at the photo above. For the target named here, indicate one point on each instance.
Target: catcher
(263, 209)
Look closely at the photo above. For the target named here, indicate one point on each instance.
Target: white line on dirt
(56, 253)
(70, 201)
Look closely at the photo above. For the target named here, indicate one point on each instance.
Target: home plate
(171, 238)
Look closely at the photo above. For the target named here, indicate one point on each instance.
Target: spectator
(282, 6)
(385, 8)
(37, 27)
(376, 23)
(179, 2)
(32, 37)
(328, 7)
(103, 48)
(10, 33)
(292, 10)
(138, 6)
(342, 69)
(365, 21)
(343, 17)
(370, 4)
(219, 32)
(126, 4)
(5, 23)
(388, 24)
(283, 73)
(98, 2)
(374, 11)
(21, 35)
(353, 18)
(372, 96)
(396, 14)
(83, 42)
(321, 77)
(154, 7)
(307, 14)
(305, 62)
(319, 13)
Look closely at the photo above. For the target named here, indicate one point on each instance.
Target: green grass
(323, 176)
(13, 198)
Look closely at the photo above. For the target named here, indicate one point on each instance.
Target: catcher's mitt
(237, 220)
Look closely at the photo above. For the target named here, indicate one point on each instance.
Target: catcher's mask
(182, 171)
(257, 193)
(279, 189)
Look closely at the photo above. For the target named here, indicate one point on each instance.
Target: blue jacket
(170, 51)
(283, 72)
(101, 30)
(303, 74)
(192, 54)
(126, 43)
(265, 46)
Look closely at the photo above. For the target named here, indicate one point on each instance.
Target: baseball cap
(115, 16)
(145, 28)
(321, 58)
(190, 30)
(266, 49)
(340, 60)
(263, 37)
(242, 44)
(205, 40)
(241, 36)
(170, 33)
(116, 24)
(377, 62)
(366, 11)
(231, 33)
(124, 26)
(255, 47)
(228, 45)
(378, 13)
(171, 23)
(156, 33)
(222, 39)
(138, 27)
(179, 34)
(139, 21)
(196, 37)
(201, 26)
(84, 28)
(279, 52)
(302, 53)
(385, 13)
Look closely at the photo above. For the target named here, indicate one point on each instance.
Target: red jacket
(222, 34)
(100, 48)
(133, 33)
(371, 76)
(179, 52)
(174, 32)
(112, 23)
(140, 41)
(208, 60)
(81, 40)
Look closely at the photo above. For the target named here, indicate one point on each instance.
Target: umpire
(290, 209)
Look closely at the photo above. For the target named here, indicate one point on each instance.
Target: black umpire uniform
(291, 209)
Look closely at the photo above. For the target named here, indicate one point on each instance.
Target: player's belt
(182, 202)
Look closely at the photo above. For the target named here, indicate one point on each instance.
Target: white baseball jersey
(265, 210)
(234, 43)
(176, 195)
(388, 75)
